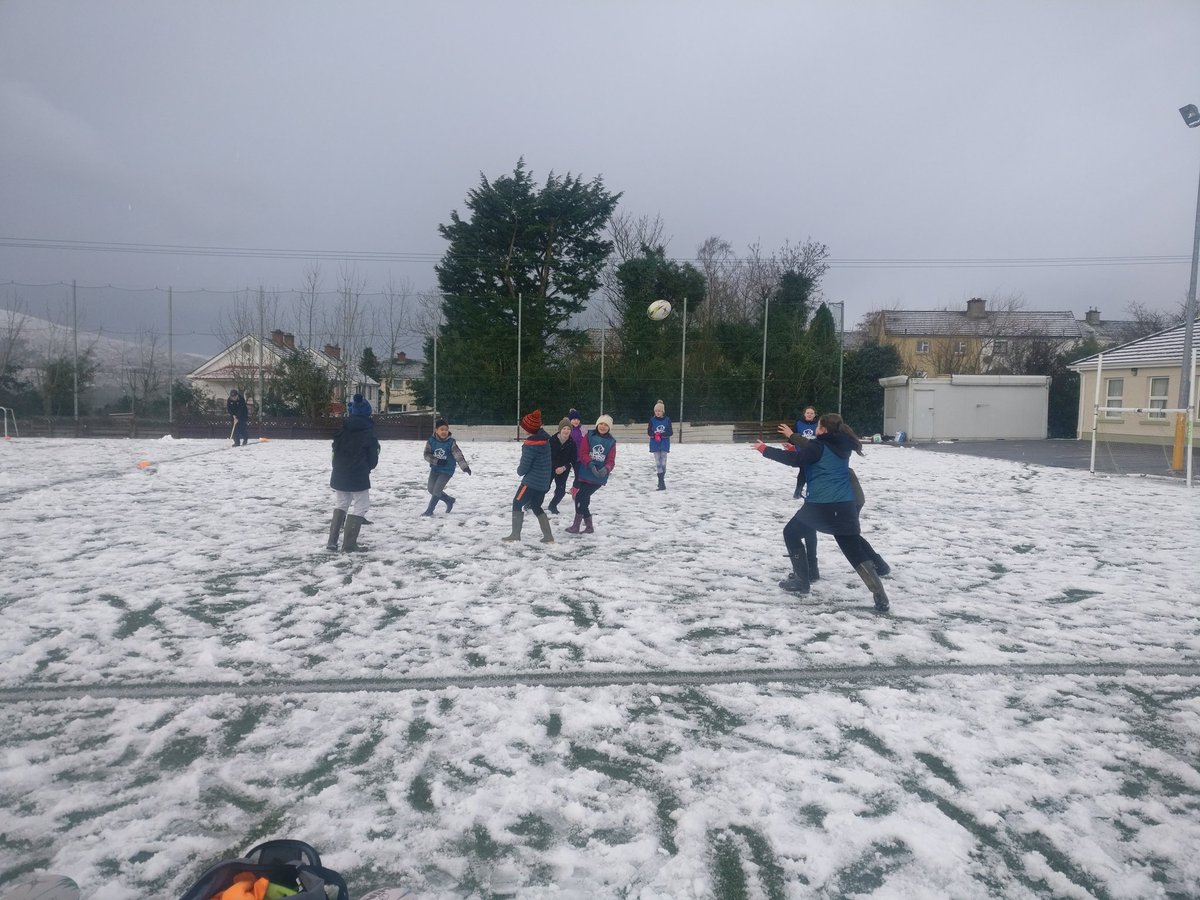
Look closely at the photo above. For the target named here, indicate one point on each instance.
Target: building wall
(967, 408)
(1131, 428)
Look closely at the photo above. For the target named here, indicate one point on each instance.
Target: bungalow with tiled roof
(251, 359)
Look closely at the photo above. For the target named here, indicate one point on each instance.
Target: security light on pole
(1191, 115)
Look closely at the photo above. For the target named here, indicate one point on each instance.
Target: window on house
(999, 347)
(960, 346)
(922, 346)
(1158, 396)
(1114, 395)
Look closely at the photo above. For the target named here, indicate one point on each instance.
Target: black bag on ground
(292, 864)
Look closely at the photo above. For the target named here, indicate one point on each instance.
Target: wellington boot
(547, 535)
(866, 571)
(518, 517)
(432, 504)
(882, 569)
(335, 528)
(662, 484)
(798, 581)
(449, 501)
(350, 538)
(574, 527)
(587, 525)
(814, 570)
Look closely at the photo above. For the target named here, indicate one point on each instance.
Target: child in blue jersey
(660, 433)
(442, 454)
(597, 458)
(806, 427)
(829, 506)
(535, 467)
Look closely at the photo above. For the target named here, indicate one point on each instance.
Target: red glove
(657, 436)
(760, 446)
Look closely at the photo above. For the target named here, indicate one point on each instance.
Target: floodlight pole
(841, 305)
(762, 384)
(1191, 116)
(682, 367)
(518, 365)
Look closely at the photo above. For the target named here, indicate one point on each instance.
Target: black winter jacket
(355, 454)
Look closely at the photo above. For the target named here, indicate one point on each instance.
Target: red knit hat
(532, 422)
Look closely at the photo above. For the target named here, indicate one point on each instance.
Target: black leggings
(527, 498)
(853, 546)
(583, 498)
(560, 487)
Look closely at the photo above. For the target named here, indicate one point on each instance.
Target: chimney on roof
(401, 356)
(277, 338)
(333, 351)
(976, 308)
(1092, 317)
(289, 340)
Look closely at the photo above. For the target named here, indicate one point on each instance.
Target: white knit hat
(606, 419)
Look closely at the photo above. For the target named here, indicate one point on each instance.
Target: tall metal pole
(75, 354)
(170, 361)
(602, 330)
(262, 331)
(682, 367)
(1190, 316)
(518, 365)
(762, 385)
(841, 348)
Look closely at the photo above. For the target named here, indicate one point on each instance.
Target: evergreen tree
(862, 394)
(368, 364)
(299, 386)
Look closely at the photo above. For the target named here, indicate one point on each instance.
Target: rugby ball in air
(659, 310)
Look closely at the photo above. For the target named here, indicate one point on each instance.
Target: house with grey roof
(1141, 375)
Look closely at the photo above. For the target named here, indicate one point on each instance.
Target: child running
(441, 452)
(597, 458)
(535, 467)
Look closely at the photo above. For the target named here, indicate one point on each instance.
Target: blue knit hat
(358, 406)
(574, 414)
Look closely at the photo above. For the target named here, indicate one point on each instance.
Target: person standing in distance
(355, 455)
(660, 432)
(238, 411)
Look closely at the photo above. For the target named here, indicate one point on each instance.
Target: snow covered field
(185, 671)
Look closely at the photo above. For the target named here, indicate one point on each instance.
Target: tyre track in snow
(650, 678)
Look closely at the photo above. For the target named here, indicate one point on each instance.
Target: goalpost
(1189, 415)
(8, 413)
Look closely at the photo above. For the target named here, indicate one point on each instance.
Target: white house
(967, 407)
(250, 360)
(1142, 374)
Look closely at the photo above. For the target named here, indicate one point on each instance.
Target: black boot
(335, 528)
(350, 538)
(882, 569)
(866, 571)
(798, 581)
(429, 509)
(810, 552)
(449, 501)
(662, 485)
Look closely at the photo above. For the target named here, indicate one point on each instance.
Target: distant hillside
(27, 340)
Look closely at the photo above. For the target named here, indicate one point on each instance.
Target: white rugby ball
(659, 310)
(41, 886)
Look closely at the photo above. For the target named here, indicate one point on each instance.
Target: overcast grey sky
(887, 130)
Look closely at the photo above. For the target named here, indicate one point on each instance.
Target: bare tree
(308, 305)
(251, 313)
(12, 324)
(628, 234)
(723, 275)
(346, 325)
(143, 369)
(392, 324)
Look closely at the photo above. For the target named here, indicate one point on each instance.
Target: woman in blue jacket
(829, 505)
(660, 433)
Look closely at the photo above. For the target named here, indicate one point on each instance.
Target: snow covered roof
(1061, 325)
(1162, 348)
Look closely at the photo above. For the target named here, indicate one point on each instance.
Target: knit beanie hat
(438, 423)
(574, 414)
(358, 406)
(607, 420)
(564, 423)
(532, 422)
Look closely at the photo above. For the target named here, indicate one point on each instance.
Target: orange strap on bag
(245, 887)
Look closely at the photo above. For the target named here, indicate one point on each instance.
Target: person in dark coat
(240, 414)
(535, 469)
(355, 455)
(829, 505)
(563, 452)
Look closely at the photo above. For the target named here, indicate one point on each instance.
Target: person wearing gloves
(442, 454)
(236, 404)
(597, 458)
(563, 453)
(355, 455)
(660, 433)
(829, 505)
(535, 469)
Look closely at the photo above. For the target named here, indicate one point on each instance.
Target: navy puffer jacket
(355, 454)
